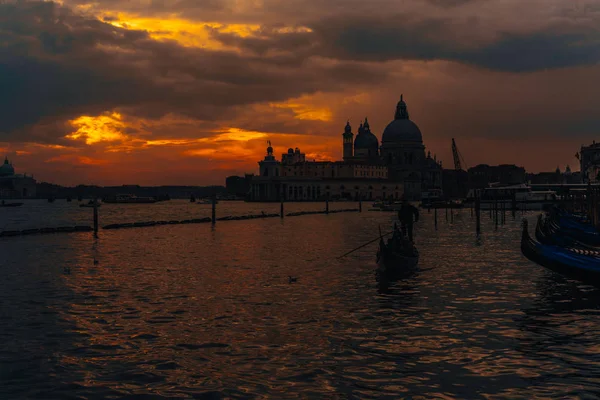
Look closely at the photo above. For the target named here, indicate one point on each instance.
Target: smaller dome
(290, 151)
(6, 169)
(366, 140)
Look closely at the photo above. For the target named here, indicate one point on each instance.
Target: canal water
(191, 311)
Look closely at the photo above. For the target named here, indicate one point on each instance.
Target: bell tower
(348, 137)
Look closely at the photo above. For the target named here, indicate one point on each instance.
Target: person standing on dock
(408, 215)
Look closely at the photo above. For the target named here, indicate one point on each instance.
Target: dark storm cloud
(61, 65)
(377, 39)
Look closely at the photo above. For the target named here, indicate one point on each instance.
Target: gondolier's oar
(360, 247)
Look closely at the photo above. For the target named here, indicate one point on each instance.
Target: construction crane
(457, 157)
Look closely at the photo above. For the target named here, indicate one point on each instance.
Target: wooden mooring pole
(281, 208)
(513, 205)
(214, 209)
(435, 217)
(496, 211)
(327, 204)
(95, 216)
(477, 216)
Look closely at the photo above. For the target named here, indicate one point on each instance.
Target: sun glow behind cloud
(185, 32)
(103, 128)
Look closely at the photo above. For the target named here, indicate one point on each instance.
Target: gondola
(11, 204)
(546, 233)
(576, 263)
(398, 257)
(565, 225)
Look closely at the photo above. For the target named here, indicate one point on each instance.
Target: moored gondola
(547, 233)
(398, 257)
(3, 204)
(561, 223)
(577, 263)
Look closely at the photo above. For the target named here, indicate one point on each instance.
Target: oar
(360, 247)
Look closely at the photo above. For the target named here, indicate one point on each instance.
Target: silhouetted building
(402, 150)
(455, 183)
(400, 164)
(295, 179)
(589, 159)
(15, 185)
(482, 175)
(238, 185)
(557, 177)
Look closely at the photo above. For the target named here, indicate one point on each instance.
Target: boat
(572, 262)
(442, 204)
(128, 199)
(574, 228)
(69, 199)
(206, 201)
(10, 204)
(50, 199)
(89, 204)
(397, 257)
(546, 233)
(389, 206)
(192, 199)
(521, 197)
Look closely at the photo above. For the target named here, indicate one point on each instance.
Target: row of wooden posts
(214, 211)
(497, 212)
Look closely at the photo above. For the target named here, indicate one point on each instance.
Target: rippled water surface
(188, 311)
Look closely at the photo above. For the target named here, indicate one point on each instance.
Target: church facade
(397, 168)
(402, 152)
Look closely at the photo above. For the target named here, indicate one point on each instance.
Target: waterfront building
(399, 167)
(403, 151)
(557, 177)
(238, 186)
(15, 186)
(295, 179)
(483, 175)
(589, 159)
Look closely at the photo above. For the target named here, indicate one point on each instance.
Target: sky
(184, 92)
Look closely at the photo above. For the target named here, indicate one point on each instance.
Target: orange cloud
(185, 32)
(74, 159)
(305, 108)
(103, 128)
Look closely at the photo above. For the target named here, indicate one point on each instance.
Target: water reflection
(190, 311)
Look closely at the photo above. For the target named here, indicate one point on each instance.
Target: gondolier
(408, 214)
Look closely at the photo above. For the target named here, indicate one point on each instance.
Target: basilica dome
(401, 129)
(365, 138)
(6, 169)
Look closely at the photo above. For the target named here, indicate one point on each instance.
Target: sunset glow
(188, 88)
(103, 128)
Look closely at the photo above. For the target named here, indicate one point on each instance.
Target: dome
(6, 169)
(290, 151)
(366, 141)
(401, 129)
